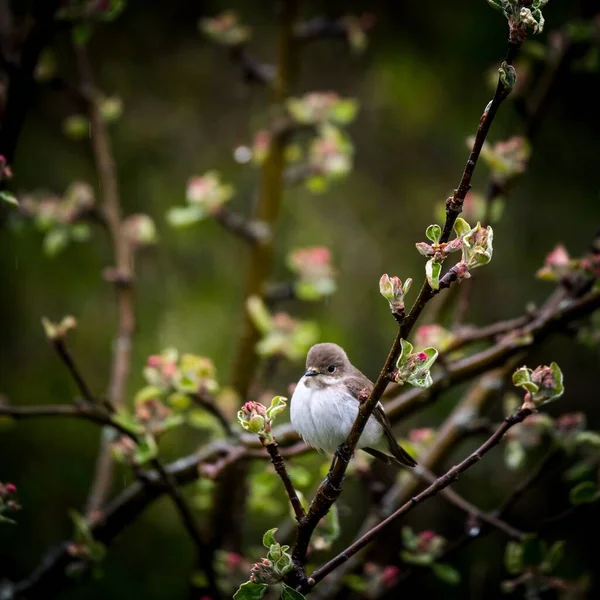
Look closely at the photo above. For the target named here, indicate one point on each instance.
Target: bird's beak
(310, 372)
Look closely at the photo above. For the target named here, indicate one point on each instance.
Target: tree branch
(281, 470)
(429, 492)
(474, 513)
(331, 488)
(123, 276)
(21, 82)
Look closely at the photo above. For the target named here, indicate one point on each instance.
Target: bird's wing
(356, 383)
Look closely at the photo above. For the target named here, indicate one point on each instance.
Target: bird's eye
(331, 368)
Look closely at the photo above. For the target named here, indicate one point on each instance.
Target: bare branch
(432, 490)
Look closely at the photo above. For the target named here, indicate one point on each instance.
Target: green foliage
(414, 367)
(250, 591)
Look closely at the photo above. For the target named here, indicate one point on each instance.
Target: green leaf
(446, 573)
(148, 392)
(553, 556)
(421, 560)
(432, 272)
(7, 520)
(278, 404)
(434, 233)
(81, 33)
(146, 450)
(522, 378)
(579, 470)
(513, 557)
(461, 227)
(8, 198)
(584, 493)
(497, 4)
(590, 438)
(407, 349)
(269, 538)
(288, 593)
(184, 216)
(128, 422)
(55, 241)
(250, 591)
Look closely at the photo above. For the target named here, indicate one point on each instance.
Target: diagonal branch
(281, 470)
(331, 488)
(434, 489)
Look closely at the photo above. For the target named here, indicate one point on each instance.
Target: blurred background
(421, 85)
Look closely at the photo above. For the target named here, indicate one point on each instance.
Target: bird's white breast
(324, 417)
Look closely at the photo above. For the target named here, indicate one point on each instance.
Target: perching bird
(326, 401)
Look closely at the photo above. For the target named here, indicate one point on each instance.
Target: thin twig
(281, 470)
(253, 232)
(530, 480)
(59, 345)
(472, 511)
(84, 412)
(435, 488)
(111, 210)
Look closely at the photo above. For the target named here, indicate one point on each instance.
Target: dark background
(422, 85)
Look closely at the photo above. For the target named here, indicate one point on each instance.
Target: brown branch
(331, 488)
(21, 86)
(253, 232)
(527, 483)
(475, 514)
(280, 469)
(209, 405)
(123, 277)
(435, 488)
(531, 335)
(87, 413)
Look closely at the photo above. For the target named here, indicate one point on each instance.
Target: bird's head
(326, 364)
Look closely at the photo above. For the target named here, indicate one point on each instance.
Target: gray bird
(326, 401)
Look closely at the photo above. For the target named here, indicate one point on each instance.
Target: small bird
(326, 401)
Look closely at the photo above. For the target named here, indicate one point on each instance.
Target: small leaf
(7, 520)
(55, 241)
(407, 349)
(590, 438)
(146, 450)
(184, 216)
(553, 556)
(446, 573)
(269, 538)
(8, 198)
(278, 404)
(433, 233)
(432, 272)
(461, 227)
(250, 591)
(288, 593)
(513, 557)
(584, 493)
(148, 392)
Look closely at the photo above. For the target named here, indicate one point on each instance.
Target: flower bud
(393, 291)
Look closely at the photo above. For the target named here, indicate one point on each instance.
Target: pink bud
(155, 360)
(11, 488)
(169, 369)
(233, 559)
(559, 257)
(428, 535)
(422, 356)
(390, 575)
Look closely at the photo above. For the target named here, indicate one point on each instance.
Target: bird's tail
(399, 455)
